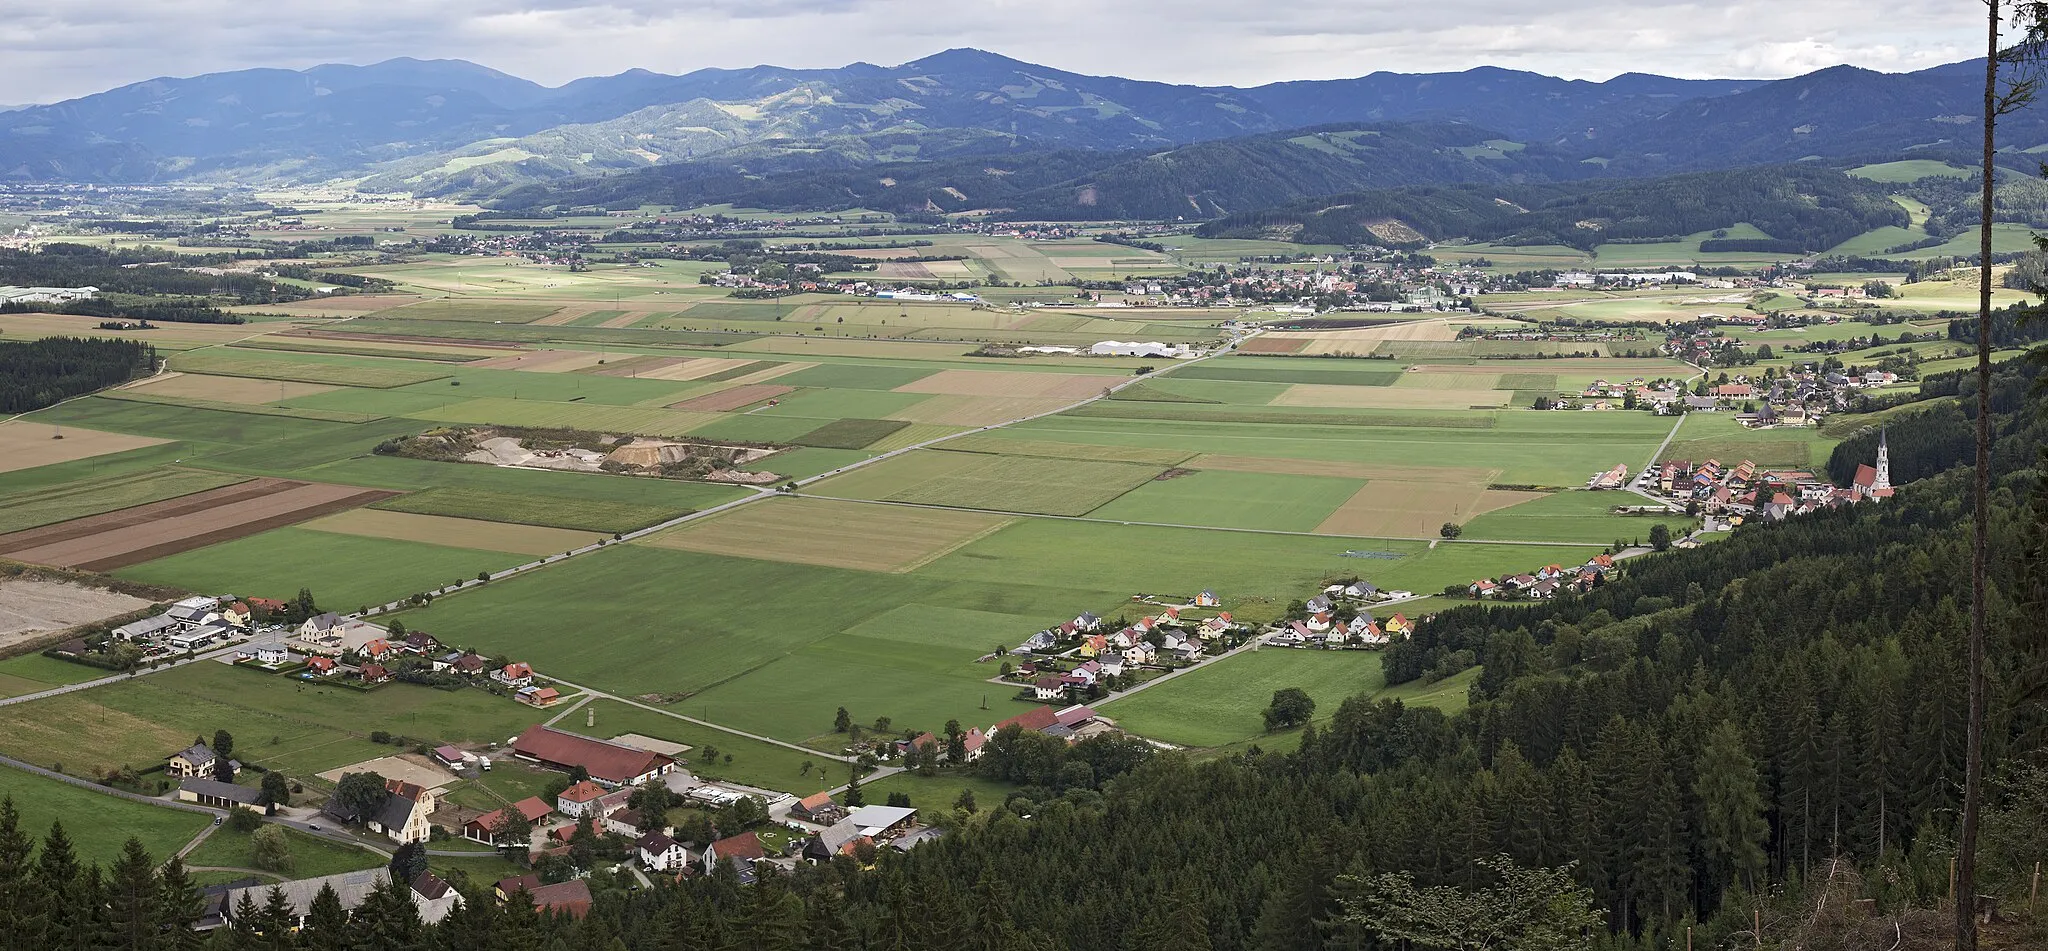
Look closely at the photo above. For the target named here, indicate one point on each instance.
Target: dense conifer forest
(42, 372)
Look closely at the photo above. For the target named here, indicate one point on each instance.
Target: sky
(58, 49)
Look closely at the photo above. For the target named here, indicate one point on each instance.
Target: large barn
(611, 764)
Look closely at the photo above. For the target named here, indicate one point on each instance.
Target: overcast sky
(57, 49)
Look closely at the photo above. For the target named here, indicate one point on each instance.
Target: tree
(956, 742)
(805, 769)
(1290, 706)
(135, 910)
(511, 831)
(272, 852)
(966, 801)
(1660, 537)
(842, 722)
(243, 820)
(361, 793)
(326, 921)
(277, 790)
(409, 862)
(1539, 909)
(223, 743)
(854, 799)
(1731, 806)
(899, 799)
(1451, 530)
(882, 725)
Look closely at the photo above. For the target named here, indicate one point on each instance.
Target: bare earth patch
(146, 532)
(29, 608)
(401, 768)
(1403, 509)
(26, 445)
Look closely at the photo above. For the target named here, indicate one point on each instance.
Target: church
(1875, 482)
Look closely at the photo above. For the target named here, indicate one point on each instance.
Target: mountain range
(976, 120)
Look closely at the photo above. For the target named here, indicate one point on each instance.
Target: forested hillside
(1018, 181)
(1802, 208)
(1758, 732)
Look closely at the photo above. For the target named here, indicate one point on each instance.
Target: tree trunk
(1980, 543)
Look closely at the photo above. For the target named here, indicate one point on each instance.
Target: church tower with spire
(1884, 463)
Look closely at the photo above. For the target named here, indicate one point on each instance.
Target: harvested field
(684, 369)
(458, 532)
(1270, 344)
(904, 269)
(253, 409)
(167, 335)
(560, 317)
(135, 535)
(306, 343)
(543, 361)
(758, 373)
(226, 389)
(855, 535)
(26, 445)
(639, 420)
(1437, 378)
(29, 608)
(744, 395)
(1067, 386)
(976, 410)
(1344, 469)
(1390, 397)
(1389, 509)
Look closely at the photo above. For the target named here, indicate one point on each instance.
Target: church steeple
(1884, 464)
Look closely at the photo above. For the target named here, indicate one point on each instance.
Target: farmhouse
(484, 828)
(571, 898)
(580, 800)
(404, 816)
(537, 696)
(659, 853)
(196, 760)
(330, 635)
(740, 851)
(610, 764)
(353, 888)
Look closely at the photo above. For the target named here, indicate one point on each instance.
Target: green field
(938, 792)
(98, 825)
(1219, 703)
(850, 433)
(1225, 499)
(596, 515)
(754, 763)
(345, 571)
(91, 497)
(1020, 483)
(1910, 170)
(1718, 436)
(278, 722)
(367, 372)
(1571, 516)
(312, 856)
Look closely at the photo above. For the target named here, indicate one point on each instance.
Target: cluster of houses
(432, 896)
(1338, 618)
(1546, 582)
(195, 623)
(1728, 495)
(332, 646)
(1149, 641)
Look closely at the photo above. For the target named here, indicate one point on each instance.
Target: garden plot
(835, 534)
(26, 445)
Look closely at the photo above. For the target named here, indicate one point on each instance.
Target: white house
(659, 853)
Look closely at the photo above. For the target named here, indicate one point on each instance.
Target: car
(313, 826)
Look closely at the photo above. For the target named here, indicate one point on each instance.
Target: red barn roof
(606, 762)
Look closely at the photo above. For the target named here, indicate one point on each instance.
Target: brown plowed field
(402, 338)
(145, 532)
(1272, 345)
(734, 398)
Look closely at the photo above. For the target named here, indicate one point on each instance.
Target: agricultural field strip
(1205, 528)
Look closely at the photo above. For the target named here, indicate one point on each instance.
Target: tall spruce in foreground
(2030, 17)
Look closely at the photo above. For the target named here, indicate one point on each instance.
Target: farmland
(98, 825)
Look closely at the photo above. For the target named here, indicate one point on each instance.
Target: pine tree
(326, 922)
(182, 906)
(1732, 827)
(137, 899)
(278, 922)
